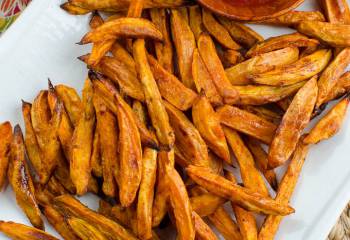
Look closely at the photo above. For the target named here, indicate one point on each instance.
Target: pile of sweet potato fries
(174, 96)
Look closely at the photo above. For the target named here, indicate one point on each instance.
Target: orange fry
(22, 232)
(5, 142)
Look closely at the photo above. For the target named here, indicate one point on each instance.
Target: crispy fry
(271, 115)
(5, 142)
(63, 175)
(293, 123)
(170, 87)
(333, 34)
(135, 8)
(23, 232)
(21, 180)
(164, 50)
(195, 19)
(107, 127)
(285, 190)
(336, 11)
(188, 139)
(55, 187)
(239, 74)
(283, 41)
(140, 112)
(121, 54)
(216, 70)
(203, 231)
(208, 125)
(206, 204)
(231, 58)
(108, 227)
(80, 166)
(330, 124)
(341, 87)
(84, 230)
(156, 109)
(74, 10)
(298, 71)
(58, 222)
(331, 75)
(217, 31)
(241, 33)
(293, 18)
(95, 20)
(96, 161)
(126, 27)
(185, 44)
(259, 95)
(247, 123)
(203, 80)
(146, 194)
(241, 196)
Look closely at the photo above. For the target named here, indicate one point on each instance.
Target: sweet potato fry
(184, 14)
(126, 27)
(140, 112)
(241, 196)
(62, 173)
(336, 11)
(84, 230)
(333, 34)
(5, 142)
(217, 31)
(105, 208)
(293, 123)
(156, 109)
(330, 76)
(120, 53)
(43, 195)
(330, 124)
(188, 138)
(195, 19)
(216, 164)
(298, 71)
(341, 87)
(21, 180)
(285, 190)
(122, 215)
(239, 74)
(231, 57)
(216, 70)
(247, 123)
(270, 114)
(203, 231)
(164, 50)
(107, 128)
(203, 80)
(241, 33)
(206, 204)
(96, 161)
(80, 166)
(74, 10)
(208, 125)
(146, 194)
(56, 219)
(170, 87)
(108, 227)
(293, 18)
(250, 175)
(55, 187)
(23, 232)
(259, 95)
(185, 44)
(283, 41)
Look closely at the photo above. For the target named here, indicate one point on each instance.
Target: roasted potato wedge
(21, 180)
(336, 11)
(293, 123)
(293, 18)
(203, 231)
(23, 232)
(247, 123)
(84, 230)
(74, 10)
(240, 73)
(5, 143)
(195, 19)
(341, 87)
(298, 71)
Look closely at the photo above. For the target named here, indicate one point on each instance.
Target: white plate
(40, 45)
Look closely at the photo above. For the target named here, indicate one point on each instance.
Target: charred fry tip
(84, 58)
(319, 110)
(64, 6)
(94, 76)
(17, 130)
(50, 85)
(25, 103)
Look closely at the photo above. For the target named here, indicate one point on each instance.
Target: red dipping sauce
(249, 2)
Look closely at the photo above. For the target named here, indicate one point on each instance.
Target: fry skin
(170, 87)
(203, 80)
(285, 190)
(333, 34)
(195, 19)
(23, 232)
(188, 138)
(293, 18)
(208, 124)
(293, 123)
(125, 27)
(239, 74)
(5, 142)
(21, 180)
(217, 31)
(336, 11)
(330, 76)
(342, 86)
(203, 231)
(214, 66)
(84, 230)
(80, 166)
(298, 71)
(156, 109)
(185, 44)
(283, 41)
(330, 124)
(241, 196)
(247, 123)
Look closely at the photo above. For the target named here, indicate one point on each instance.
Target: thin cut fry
(301, 70)
(336, 11)
(247, 123)
(84, 230)
(293, 18)
(293, 123)
(203, 231)
(5, 142)
(330, 124)
(342, 86)
(23, 232)
(195, 19)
